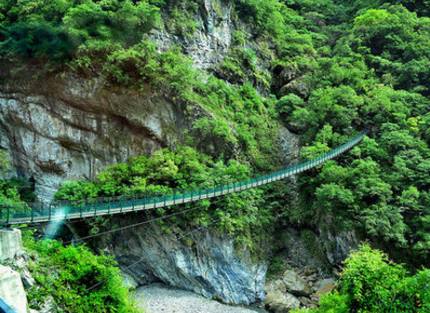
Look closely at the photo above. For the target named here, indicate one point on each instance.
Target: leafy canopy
(78, 280)
(369, 282)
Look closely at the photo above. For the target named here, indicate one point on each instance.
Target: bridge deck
(9, 216)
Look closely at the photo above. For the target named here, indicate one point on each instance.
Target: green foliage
(58, 30)
(13, 192)
(243, 215)
(36, 39)
(396, 42)
(235, 111)
(78, 280)
(76, 191)
(288, 103)
(370, 73)
(371, 283)
(241, 65)
(9, 194)
(182, 17)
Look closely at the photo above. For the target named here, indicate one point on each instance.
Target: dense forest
(357, 65)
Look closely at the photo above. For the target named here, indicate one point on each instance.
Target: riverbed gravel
(161, 299)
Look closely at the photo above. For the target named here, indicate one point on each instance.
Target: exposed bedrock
(203, 262)
(64, 127)
(211, 39)
(61, 129)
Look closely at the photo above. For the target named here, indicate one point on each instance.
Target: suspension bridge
(10, 215)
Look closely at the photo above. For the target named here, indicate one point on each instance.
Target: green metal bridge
(10, 215)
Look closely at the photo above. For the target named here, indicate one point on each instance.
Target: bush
(371, 283)
(243, 215)
(78, 280)
(14, 192)
(56, 30)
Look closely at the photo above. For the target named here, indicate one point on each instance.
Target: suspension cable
(131, 226)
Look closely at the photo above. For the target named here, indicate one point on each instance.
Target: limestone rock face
(339, 244)
(11, 289)
(68, 128)
(210, 266)
(211, 39)
(323, 249)
(10, 244)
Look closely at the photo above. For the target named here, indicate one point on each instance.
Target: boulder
(10, 244)
(275, 285)
(280, 302)
(11, 289)
(129, 282)
(298, 86)
(308, 302)
(325, 286)
(295, 284)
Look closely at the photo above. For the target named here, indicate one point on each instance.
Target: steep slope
(65, 124)
(227, 88)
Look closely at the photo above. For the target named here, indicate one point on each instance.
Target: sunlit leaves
(56, 29)
(76, 279)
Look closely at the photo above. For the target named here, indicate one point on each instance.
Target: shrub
(369, 282)
(55, 30)
(242, 215)
(77, 280)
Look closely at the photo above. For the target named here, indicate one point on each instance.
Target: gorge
(121, 99)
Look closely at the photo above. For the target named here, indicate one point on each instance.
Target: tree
(370, 282)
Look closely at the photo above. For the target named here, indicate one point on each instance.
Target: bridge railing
(88, 208)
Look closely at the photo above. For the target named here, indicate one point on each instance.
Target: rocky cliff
(63, 126)
(58, 129)
(203, 262)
